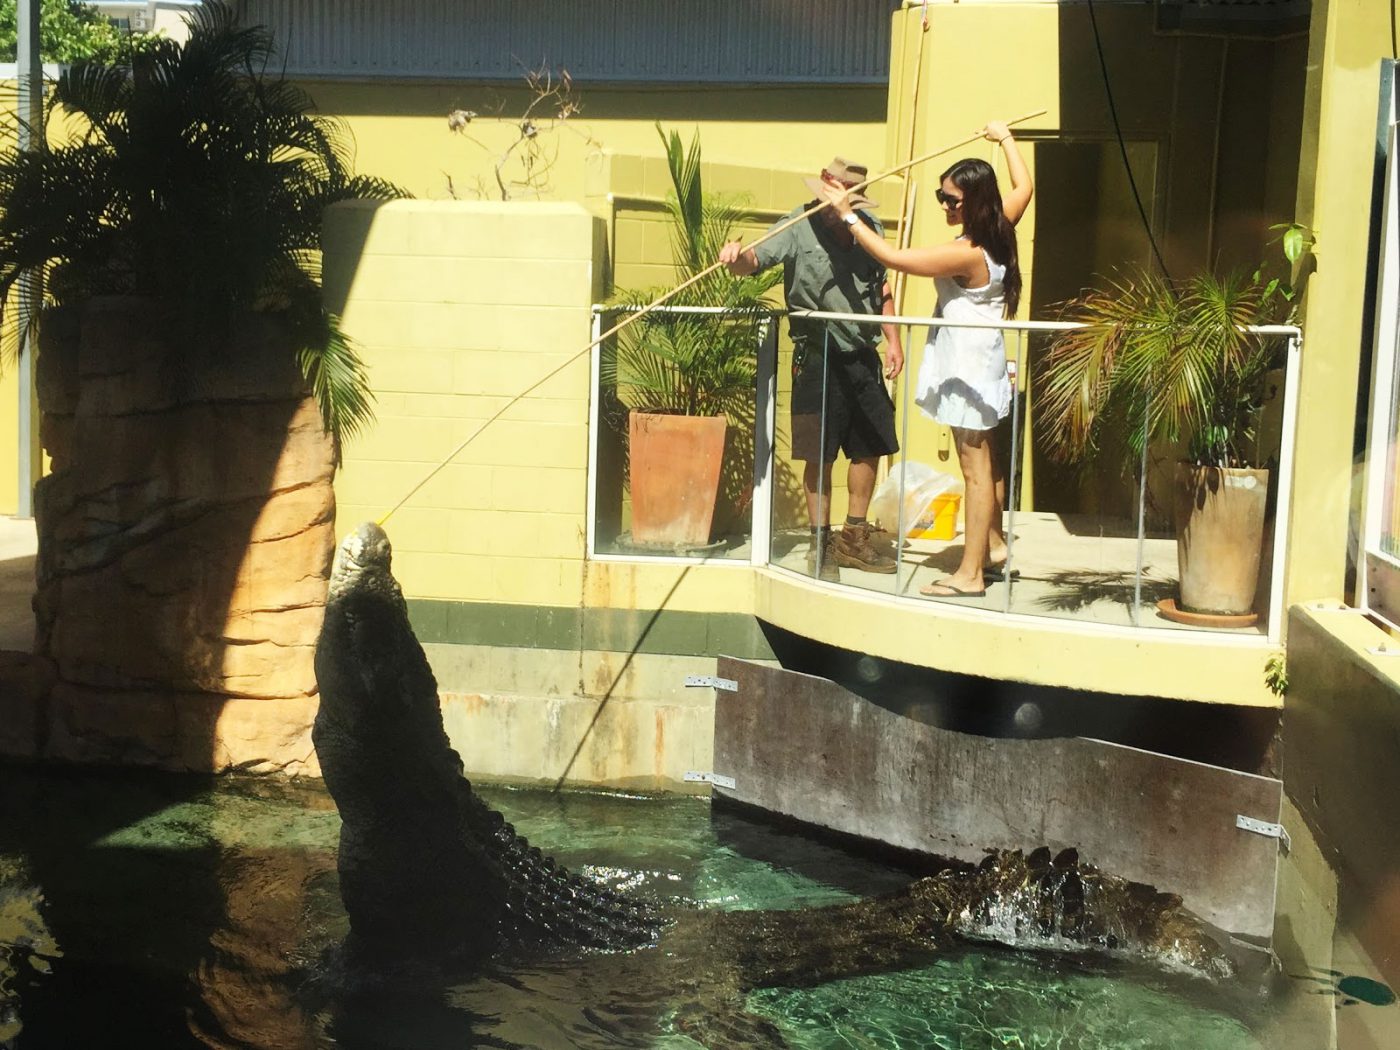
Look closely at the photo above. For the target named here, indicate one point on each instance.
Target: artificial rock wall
(185, 537)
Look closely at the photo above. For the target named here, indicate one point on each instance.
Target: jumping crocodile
(428, 869)
(425, 865)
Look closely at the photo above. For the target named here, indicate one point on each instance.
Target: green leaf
(692, 364)
(1293, 243)
(195, 175)
(1158, 361)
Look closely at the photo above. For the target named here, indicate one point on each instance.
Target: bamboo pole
(649, 307)
(906, 197)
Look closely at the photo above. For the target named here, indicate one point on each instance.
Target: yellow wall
(1211, 125)
(1334, 198)
(459, 306)
(9, 440)
(757, 141)
(401, 130)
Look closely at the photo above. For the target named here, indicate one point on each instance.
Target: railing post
(906, 387)
(1014, 456)
(1282, 505)
(823, 497)
(1141, 517)
(764, 427)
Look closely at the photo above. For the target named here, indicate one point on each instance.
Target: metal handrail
(1292, 333)
(923, 320)
(1006, 325)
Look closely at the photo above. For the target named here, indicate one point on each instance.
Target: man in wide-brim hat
(836, 366)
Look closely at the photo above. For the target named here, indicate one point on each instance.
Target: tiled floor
(1075, 568)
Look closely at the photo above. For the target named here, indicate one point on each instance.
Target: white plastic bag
(922, 485)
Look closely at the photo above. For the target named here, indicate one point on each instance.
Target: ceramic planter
(1220, 516)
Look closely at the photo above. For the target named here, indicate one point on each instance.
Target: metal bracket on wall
(1263, 827)
(717, 779)
(693, 681)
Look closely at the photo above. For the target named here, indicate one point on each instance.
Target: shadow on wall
(1341, 730)
(184, 544)
(342, 249)
(1230, 107)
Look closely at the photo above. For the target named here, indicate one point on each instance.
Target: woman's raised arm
(1015, 200)
(955, 259)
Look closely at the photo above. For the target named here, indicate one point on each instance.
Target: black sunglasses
(947, 199)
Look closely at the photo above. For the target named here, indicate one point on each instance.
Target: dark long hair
(986, 224)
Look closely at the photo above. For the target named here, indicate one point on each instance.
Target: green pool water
(144, 911)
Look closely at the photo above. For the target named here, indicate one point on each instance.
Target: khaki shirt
(820, 273)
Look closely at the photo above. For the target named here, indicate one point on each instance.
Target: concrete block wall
(1339, 758)
(551, 667)
(459, 306)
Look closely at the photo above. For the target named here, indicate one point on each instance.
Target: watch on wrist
(850, 218)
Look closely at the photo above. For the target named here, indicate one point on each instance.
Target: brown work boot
(857, 548)
(827, 569)
(881, 538)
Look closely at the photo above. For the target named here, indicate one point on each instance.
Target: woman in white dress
(963, 381)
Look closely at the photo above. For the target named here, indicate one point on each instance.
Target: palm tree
(1160, 361)
(193, 391)
(194, 178)
(686, 364)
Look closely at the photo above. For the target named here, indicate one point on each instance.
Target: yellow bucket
(939, 521)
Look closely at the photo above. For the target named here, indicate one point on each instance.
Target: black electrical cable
(1394, 50)
(1123, 146)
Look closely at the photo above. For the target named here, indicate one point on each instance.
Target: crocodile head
(364, 555)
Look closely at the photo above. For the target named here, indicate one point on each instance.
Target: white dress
(963, 380)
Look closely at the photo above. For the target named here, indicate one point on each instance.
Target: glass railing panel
(1091, 541)
(790, 545)
(674, 427)
(1071, 528)
(824, 391)
(969, 456)
(1247, 481)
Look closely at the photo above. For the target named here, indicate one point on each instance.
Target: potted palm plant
(1169, 362)
(192, 387)
(685, 378)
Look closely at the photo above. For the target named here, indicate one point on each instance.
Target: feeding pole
(30, 72)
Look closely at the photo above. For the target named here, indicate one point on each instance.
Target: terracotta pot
(675, 467)
(1219, 535)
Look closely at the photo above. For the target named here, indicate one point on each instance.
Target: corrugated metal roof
(668, 41)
